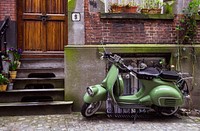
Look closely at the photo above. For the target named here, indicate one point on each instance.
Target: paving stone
(75, 122)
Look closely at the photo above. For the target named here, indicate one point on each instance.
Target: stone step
(32, 95)
(36, 103)
(24, 72)
(21, 83)
(38, 63)
(35, 90)
(39, 54)
(38, 79)
(38, 87)
(35, 108)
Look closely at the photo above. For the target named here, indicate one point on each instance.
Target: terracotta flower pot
(116, 9)
(131, 9)
(154, 11)
(13, 74)
(3, 87)
(145, 11)
(150, 11)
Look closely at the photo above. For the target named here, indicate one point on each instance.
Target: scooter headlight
(91, 91)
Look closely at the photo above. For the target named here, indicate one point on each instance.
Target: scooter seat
(169, 75)
(148, 73)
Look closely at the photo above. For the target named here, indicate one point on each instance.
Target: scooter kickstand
(135, 116)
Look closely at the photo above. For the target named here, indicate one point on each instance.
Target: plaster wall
(82, 68)
(76, 29)
(180, 5)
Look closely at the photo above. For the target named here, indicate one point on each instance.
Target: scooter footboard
(95, 93)
(166, 96)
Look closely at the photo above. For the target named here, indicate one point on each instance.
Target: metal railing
(3, 39)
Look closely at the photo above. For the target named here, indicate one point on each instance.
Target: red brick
(8, 8)
(129, 30)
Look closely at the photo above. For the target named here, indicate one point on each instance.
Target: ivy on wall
(186, 28)
(186, 33)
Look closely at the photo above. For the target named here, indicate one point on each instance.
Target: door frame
(19, 4)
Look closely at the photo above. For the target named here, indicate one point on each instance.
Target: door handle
(44, 18)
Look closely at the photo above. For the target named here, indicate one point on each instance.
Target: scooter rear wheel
(89, 109)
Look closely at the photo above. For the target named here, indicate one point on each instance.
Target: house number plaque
(76, 16)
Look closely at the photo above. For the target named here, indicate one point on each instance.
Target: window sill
(136, 16)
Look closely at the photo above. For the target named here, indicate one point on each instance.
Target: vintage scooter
(162, 91)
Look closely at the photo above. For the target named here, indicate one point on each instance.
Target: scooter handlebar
(105, 54)
(114, 58)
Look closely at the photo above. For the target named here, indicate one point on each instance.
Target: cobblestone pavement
(75, 122)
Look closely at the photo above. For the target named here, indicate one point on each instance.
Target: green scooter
(162, 91)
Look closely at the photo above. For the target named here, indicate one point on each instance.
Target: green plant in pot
(115, 8)
(15, 55)
(13, 69)
(3, 82)
(144, 6)
(131, 7)
(151, 6)
(155, 7)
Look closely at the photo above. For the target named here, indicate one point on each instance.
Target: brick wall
(128, 31)
(8, 8)
(197, 39)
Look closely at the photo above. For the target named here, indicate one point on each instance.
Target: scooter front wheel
(89, 109)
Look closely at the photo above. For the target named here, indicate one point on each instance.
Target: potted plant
(3, 82)
(151, 6)
(13, 69)
(145, 6)
(131, 7)
(15, 55)
(115, 8)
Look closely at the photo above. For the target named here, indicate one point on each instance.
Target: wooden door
(42, 25)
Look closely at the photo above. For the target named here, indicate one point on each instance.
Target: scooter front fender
(166, 96)
(99, 94)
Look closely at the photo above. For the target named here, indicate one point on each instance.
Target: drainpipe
(106, 6)
(180, 5)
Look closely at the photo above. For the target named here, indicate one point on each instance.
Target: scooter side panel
(146, 100)
(111, 77)
(100, 95)
(118, 88)
(166, 96)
